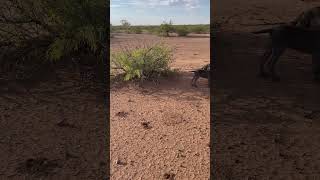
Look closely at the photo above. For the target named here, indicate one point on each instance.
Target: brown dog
(203, 72)
(305, 40)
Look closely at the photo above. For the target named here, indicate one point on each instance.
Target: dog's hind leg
(194, 79)
(276, 53)
(264, 59)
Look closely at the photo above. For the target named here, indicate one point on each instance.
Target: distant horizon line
(157, 24)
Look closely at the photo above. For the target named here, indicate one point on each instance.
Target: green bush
(125, 25)
(136, 30)
(165, 28)
(154, 31)
(182, 30)
(200, 29)
(143, 63)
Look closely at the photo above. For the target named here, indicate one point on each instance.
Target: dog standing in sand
(306, 40)
(203, 72)
(300, 34)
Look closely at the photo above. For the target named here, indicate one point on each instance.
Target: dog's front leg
(195, 78)
(264, 59)
(276, 53)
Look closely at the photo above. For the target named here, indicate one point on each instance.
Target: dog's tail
(263, 31)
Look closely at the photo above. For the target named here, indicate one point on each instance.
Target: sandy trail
(162, 131)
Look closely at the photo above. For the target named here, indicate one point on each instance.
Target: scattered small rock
(120, 162)
(183, 166)
(63, 123)
(122, 114)
(132, 163)
(146, 125)
(169, 176)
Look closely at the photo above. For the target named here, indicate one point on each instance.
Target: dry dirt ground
(56, 131)
(262, 129)
(161, 131)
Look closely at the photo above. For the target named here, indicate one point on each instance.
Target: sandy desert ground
(262, 129)
(161, 131)
(57, 131)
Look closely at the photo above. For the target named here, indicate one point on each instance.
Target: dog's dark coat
(204, 72)
(305, 40)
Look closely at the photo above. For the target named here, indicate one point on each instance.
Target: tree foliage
(125, 25)
(182, 30)
(52, 30)
(165, 28)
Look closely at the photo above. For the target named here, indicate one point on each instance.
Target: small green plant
(182, 30)
(200, 29)
(125, 25)
(143, 63)
(153, 30)
(165, 28)
(136, 30)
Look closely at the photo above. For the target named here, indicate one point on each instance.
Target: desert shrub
(136, 30)
(152, 29)
(182, 30)
(165, 28)
(143, 63)
(125, 25)
(116, 29)
(200, 29)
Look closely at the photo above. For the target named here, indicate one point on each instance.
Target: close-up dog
(203, 72)
(308, 18)
(305, 40)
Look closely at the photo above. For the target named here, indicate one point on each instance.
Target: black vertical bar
(212, 67)
(106, 63)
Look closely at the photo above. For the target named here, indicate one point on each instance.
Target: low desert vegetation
(136, 30)
(200, 29)
(162, 30)
(126, 26)
(145, 63)
(182, 30)
(165, 28)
